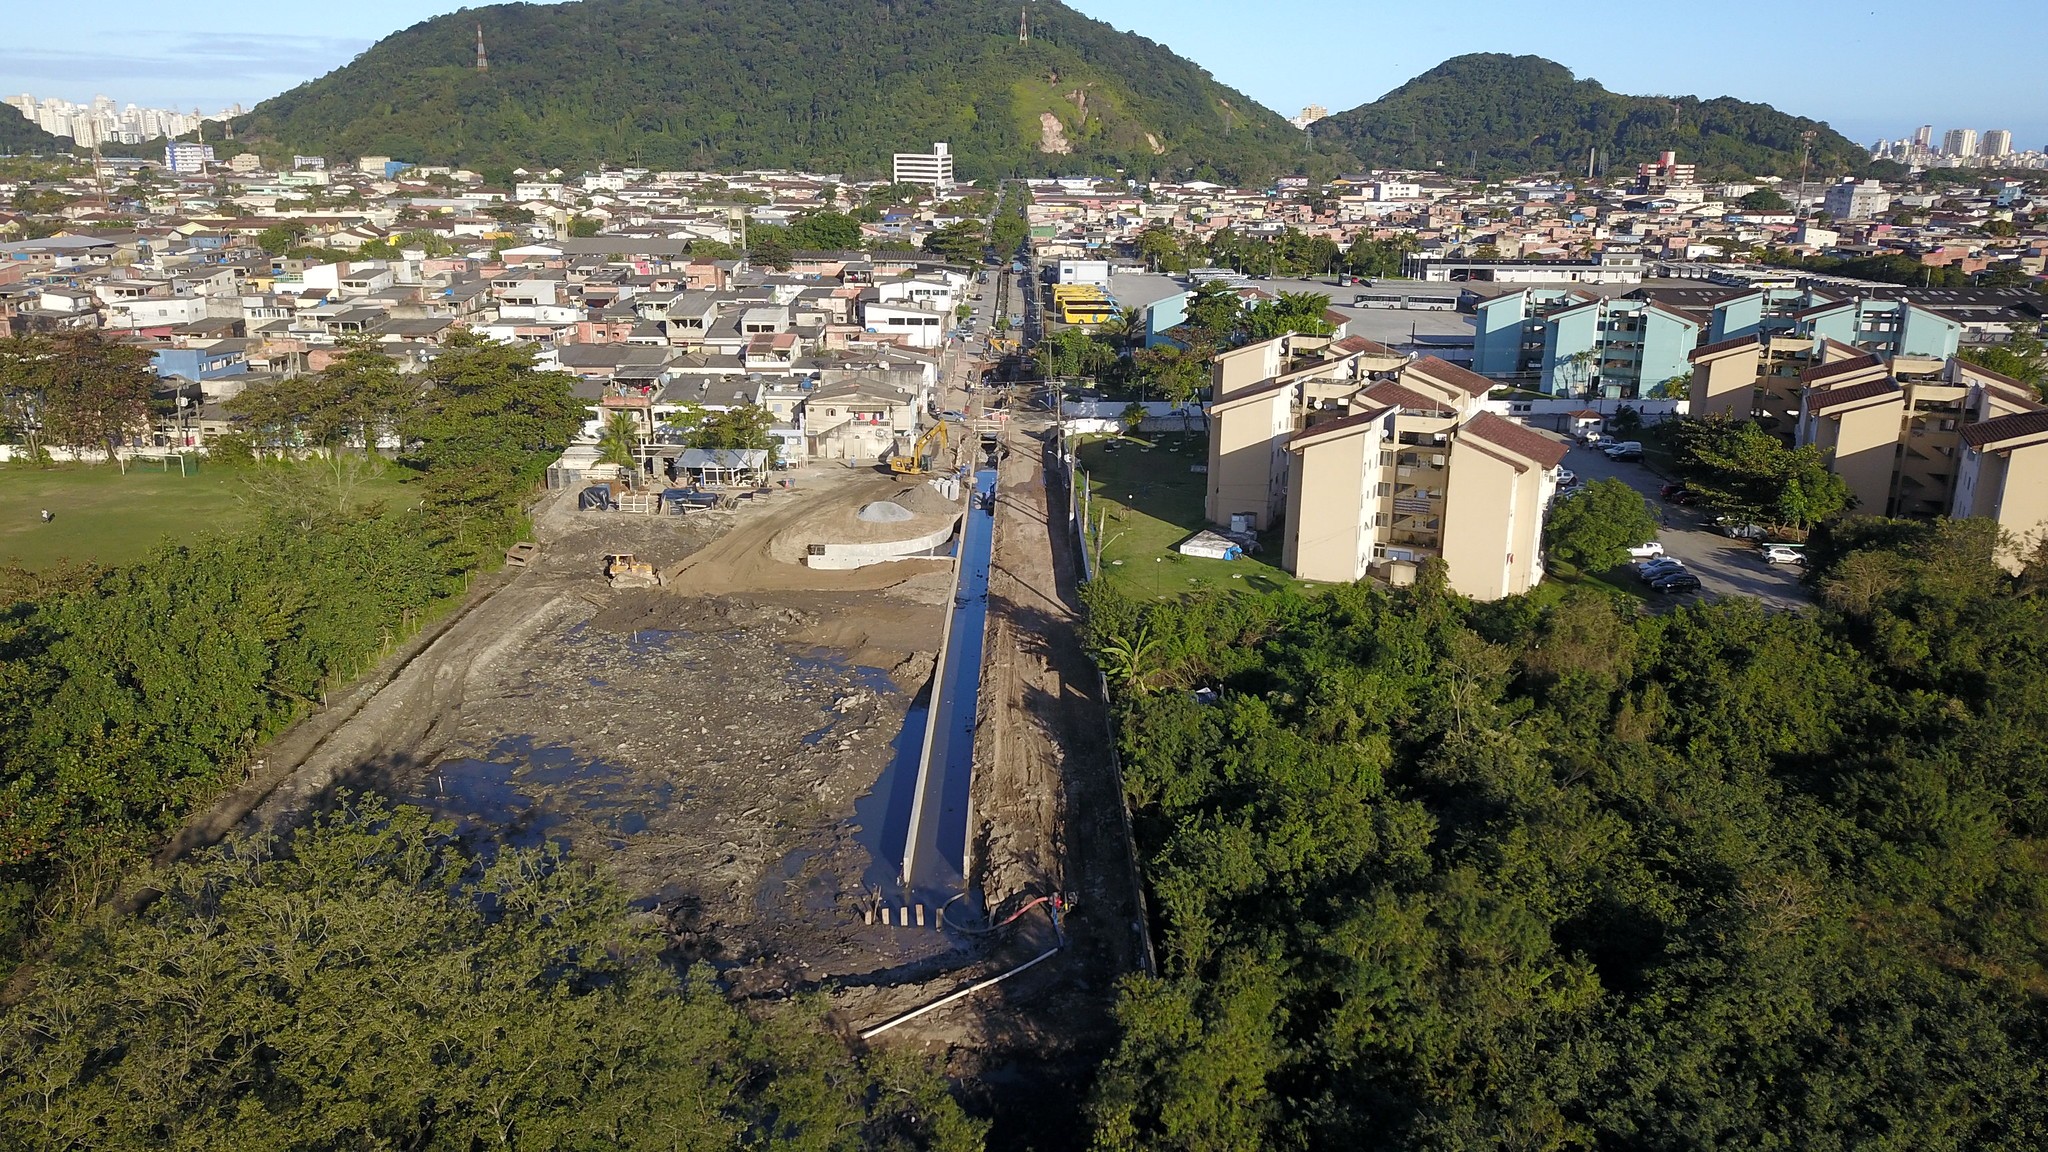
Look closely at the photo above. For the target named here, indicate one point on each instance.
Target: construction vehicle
(925, 456)
(624, 570)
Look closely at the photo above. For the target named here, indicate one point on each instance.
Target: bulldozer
(925, 456)
(624, 570)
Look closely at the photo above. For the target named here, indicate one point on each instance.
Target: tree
(1178, 374)
(743, 426)
(95, 394)
(619, 442)
(826, 232)
(585, 226)
(1132, 416)
(2023, 357)
(1764, 200)
(960, 243)
(1215, 310)
(1300, 313)
(1741, 470)
(279, 239)
(371, 985)
(1160, 248)
(484, 430)
(769, 248)
(1594, 530)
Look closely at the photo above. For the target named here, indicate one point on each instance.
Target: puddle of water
(524, 794)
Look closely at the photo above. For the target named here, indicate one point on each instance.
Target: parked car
(1566, 478)
(1779, 554)
(1672, 489)
(1648, 551)
(1737, 531)
(1650, 576)
(1625, 450)
(1595, 439)
(1677, 582)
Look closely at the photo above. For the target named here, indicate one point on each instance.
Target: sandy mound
(886, 512)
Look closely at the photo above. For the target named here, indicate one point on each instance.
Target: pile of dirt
(925, 500)
(885, 512)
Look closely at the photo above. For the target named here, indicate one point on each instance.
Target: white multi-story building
(1856, 200)
(1959, 142)
(1997, 144)
(934, 168)
(188, 159)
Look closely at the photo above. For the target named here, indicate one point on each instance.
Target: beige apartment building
(1369, 463)
(2002, 475)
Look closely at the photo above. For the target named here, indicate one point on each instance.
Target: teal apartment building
(1569, 342)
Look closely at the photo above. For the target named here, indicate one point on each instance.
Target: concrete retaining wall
(840, 557)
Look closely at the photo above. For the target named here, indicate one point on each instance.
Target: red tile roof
(1705, 351)
(1853, 394)
(1391, 392)
(1527, 443)
(1359, 345)
(1839, 368)
(2017, 426)
(1333, 428)
(1445, 372)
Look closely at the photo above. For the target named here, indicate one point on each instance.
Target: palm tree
(619, 440)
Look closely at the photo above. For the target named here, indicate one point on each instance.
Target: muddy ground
(727, 747)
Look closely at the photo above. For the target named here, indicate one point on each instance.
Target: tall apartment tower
(1997, 143)
(1923, 137)
(483, 61)
(1959, 142)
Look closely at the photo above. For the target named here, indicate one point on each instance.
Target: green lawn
(104, 517)
(1153, 503)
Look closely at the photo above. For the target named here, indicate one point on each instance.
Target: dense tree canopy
(1550, 874)
(1491, 114)
(815, 84)
(371, 986)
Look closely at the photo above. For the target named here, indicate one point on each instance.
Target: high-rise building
(1959, 142)
(1997, 143)
(1310, 115)
(934, 168)
(1923, 137)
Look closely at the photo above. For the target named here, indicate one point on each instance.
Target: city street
(1725, 567)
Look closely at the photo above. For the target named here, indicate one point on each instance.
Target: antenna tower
(1023, 26)
(483, 61)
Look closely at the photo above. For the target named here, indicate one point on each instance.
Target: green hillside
(816, 84)
(1525, 113)
(18, 136)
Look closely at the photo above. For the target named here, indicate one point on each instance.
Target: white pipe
(971, 989)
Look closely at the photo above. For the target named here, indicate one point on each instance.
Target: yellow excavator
(925, 456)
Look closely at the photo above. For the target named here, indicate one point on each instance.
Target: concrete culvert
(886, 512)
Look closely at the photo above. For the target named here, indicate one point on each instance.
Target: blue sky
(1869, 67)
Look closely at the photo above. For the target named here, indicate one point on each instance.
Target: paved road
(1725, 567)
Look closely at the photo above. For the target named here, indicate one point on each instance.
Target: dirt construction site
(736, 745)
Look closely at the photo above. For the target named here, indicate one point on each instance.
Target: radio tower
(1023, 26)
(483, 62)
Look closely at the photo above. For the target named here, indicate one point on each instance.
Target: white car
(1650, 551)
(1567, 478)
(1779, 554)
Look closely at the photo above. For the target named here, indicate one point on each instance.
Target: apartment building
(1570, 342)
(1764, 343)
(934, 168)
(1895, 428)
(1365, 462)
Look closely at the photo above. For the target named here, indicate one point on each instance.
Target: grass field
(104, 517)
(1152, 503)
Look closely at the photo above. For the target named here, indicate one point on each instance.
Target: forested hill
(1490, 114)
(19, 135)
(825, 85)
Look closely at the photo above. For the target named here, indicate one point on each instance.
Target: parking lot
(1725, 567)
